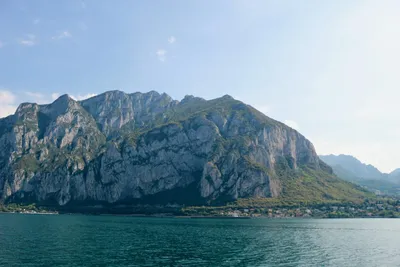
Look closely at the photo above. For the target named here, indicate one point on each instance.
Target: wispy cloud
(161, 55)
(30, 40)
(62, 35)
(7, 103)
(54, 96)
(6, 97)
(1, 44)
(83, 4)
(33, 94)
(37, 97)
(36, 21)
(171, 39)
(82, 97)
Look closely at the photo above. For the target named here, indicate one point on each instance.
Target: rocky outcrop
(147, 148)
(115, 109)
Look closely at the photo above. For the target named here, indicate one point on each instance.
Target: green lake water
(78, 240)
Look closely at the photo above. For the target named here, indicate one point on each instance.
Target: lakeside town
(378, 211)
(377, 208)
(384, 207)
(25, 209)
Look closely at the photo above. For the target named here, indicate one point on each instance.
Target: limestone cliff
(149, 148)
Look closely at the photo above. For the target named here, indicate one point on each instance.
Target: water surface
(78, 240)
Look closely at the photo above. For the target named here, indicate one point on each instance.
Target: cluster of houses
(364, 210)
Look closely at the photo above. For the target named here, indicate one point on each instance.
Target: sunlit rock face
(146, 148)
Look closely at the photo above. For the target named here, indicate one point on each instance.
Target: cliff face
(148, 148)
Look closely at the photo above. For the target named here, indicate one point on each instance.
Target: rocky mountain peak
(148, 148)
(27, 111)
(227, 97)
(191, 98)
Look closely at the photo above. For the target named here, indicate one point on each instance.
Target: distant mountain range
(351, 169)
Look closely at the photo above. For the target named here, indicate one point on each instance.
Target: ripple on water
(72, 240)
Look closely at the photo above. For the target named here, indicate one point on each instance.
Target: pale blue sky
(327, 68)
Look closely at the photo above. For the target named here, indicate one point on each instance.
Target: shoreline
(194, 216)
(375, 208)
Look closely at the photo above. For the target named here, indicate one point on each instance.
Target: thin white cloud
(36, 97)
(6, 97)
(83, 4)
(7, 110)
(292, 124)
(7, 103)
(171, 39)
(36, 21)
(30, 40)
(54, 96)
(82, 97)
(33, 94)
(161, 55)
(1, 44)
(27, 42)
(62, 35)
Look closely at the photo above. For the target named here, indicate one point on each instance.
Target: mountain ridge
(393, 172)
(351, 169)
(148, 148)
(354, 165)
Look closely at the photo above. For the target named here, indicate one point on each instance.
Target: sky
(329, 69)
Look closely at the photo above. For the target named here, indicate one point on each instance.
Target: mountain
(146, 148)
(394, 176)
(353, 166)
(351, 169)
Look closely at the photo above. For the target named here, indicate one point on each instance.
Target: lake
(78, 240)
